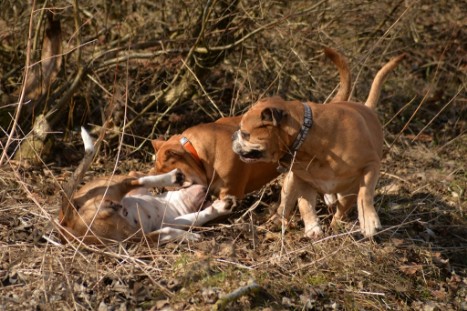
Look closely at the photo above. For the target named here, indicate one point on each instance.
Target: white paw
(193, 237)
(330, 199)
(369, 225)
(313, 232)
(226, 205)
(230, 203)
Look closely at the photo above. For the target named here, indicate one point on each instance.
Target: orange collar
(189, 147)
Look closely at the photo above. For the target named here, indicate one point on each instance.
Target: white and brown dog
(118, 208)
(328, 149)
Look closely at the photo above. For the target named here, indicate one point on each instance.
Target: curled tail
(344, 74)
(67, 210)
(380, 77)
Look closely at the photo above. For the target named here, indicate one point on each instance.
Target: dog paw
(276, 222)
(193, 237)
(313, 232)
(337, 223)
(226, 205)
(370, 225)
(135, 174)
(230, 202)
(178, 177)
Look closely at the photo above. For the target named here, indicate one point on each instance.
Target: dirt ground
(163, 67)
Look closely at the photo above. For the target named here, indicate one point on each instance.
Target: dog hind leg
(367, 216)
(218, 208)
(344, 203)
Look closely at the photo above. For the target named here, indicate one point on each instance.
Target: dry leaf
(410, 269)
(439, 294)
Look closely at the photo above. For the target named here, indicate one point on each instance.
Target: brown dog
(121, 208)
(334, 149)
(204, 152)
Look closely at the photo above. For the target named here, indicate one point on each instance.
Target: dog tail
(68, 211)
(344, 74)
(380, 77)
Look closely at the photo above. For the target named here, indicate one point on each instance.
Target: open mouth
(251, 156)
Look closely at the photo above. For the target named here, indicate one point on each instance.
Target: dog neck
(286, 160)
(186, 143)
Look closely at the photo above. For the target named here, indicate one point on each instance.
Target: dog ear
(157, 144)
(173, 153)
(273, 115)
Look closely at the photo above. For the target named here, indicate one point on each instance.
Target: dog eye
(245, 135)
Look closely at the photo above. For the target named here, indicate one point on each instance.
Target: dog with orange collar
(204, 155)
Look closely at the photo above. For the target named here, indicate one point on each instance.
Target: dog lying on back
(204, 153)
(118, 208)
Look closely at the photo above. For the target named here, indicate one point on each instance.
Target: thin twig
(249, 289)
(439, 112)
(23, 89)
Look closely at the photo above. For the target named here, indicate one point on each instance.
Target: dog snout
(235, 135)
(245, 135)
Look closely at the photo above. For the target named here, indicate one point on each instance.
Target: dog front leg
(289, 197)
(172, 178)
(307, 208)
(367, 216)
(169, 234)
(217, 209)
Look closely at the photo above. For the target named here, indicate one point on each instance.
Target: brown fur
(221, 169)
(121, 208)
(341, 153)
(92, 214)
(106, 224)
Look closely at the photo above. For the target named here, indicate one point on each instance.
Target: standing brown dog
(328, 148)
(204, 152)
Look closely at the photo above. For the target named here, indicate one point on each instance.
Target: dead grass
(417, 262)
